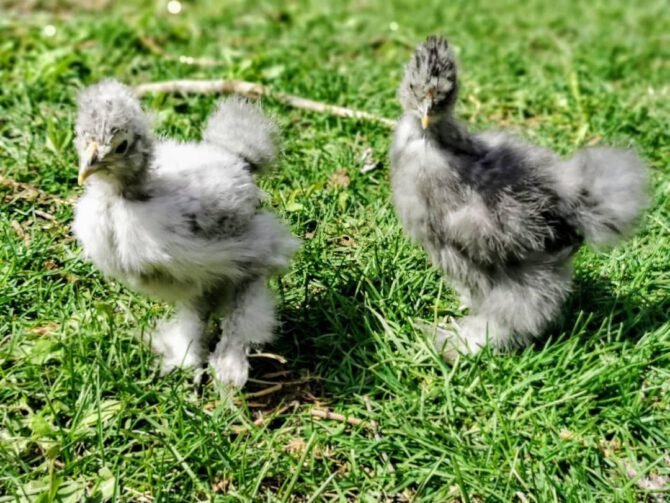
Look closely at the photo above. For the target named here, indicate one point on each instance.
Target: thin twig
(266, 391)
(264, 419)
(255, 90)
(326, 414)
(279, 373)
(260, 381)
(13, 184)
(209, 406)
(21, 233)
(285, 383)
(378, 437)
(248, 89)
(270, 356)
(44, 215)
(250, 405)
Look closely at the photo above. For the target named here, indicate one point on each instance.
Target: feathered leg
(249, 319)
(465, 336)
(515, 310)
(180, 340)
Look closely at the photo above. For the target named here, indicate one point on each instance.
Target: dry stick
(248, 89)
(44, 197)
(378, 437)
(278, 412)
(266, 391)
(279, 373)
(262, 419)
(252, 405)
(44, 215)
(270, 356)
(13, 184)
(326, 414)
(19, 230)
(254, 90)
(285, 383)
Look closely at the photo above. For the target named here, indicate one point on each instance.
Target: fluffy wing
(204, 215)
(508, 209)
(206, 191)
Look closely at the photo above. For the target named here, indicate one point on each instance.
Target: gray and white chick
(501, 218)
(181, 222)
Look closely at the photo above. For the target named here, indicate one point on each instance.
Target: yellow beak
(88, 163)
(425, 121)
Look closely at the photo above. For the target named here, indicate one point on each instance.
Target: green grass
(582, 415)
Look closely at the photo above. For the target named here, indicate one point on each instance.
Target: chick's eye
(122, 147)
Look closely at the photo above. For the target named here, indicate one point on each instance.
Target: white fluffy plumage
(181, 222)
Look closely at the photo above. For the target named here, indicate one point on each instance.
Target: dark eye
(122, 147)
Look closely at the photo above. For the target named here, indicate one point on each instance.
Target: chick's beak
(425, 121)
(88, 162)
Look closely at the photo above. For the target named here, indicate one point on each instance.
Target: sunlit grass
(582, 415)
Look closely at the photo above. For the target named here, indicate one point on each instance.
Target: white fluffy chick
(181, 222)
(501, 218)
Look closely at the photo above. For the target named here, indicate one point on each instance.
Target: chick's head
(429, 86)
(112, 134)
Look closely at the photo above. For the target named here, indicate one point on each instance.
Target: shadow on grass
(326, 342)
(596, 302)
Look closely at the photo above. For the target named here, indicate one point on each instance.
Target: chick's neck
(451, 134)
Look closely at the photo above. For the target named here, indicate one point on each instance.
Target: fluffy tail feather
(611, 191)
(241, 128)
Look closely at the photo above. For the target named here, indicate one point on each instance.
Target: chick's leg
(180, 340)
(511, 313)
(249, 319)
(467, 336)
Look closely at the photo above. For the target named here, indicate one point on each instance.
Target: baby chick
(181, 222)
(501, 218)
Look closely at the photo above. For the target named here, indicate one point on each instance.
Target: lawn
(582, 415)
